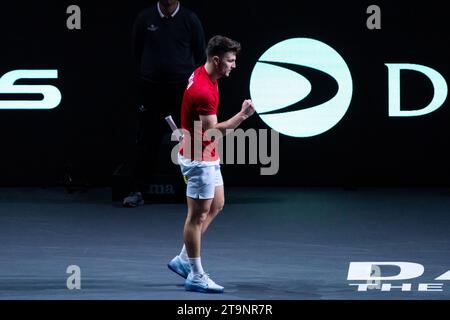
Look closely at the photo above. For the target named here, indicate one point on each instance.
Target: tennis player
(201, 169)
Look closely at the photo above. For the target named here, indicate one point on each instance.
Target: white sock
(196, 265)
(183, 254)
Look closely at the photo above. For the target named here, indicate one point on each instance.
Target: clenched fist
(248, 108)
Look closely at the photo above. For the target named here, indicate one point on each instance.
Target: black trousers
(158, 101)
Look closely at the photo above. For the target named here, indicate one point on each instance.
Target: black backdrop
(91, 132)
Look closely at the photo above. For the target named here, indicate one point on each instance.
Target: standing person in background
(168, 44)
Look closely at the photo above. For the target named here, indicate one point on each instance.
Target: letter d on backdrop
(439, 85)
(363, 270)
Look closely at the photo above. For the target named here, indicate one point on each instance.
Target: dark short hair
(219, 45)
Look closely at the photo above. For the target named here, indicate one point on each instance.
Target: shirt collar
(173, 14)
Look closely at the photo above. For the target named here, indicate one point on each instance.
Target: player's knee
(202, 217)
(198, 217)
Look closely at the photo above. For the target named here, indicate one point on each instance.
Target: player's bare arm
(210, 121)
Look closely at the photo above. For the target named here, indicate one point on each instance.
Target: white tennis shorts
(201, 177)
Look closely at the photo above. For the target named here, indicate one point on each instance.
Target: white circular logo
(301, 87)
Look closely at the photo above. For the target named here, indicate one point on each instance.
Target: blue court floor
(268, 243)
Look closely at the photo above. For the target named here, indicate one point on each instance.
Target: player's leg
(199, 195)
(180, 262)
(219, 198)
(197, 279)
(189, 257)
(216, 206)
(198, 210)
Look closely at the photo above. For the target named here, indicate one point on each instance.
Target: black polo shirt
(168, 49)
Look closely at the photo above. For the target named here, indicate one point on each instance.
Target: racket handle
(174, 128)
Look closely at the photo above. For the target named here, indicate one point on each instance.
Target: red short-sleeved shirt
(201, 97)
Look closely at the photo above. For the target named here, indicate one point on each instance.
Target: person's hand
(177, 135)
(248, 109)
